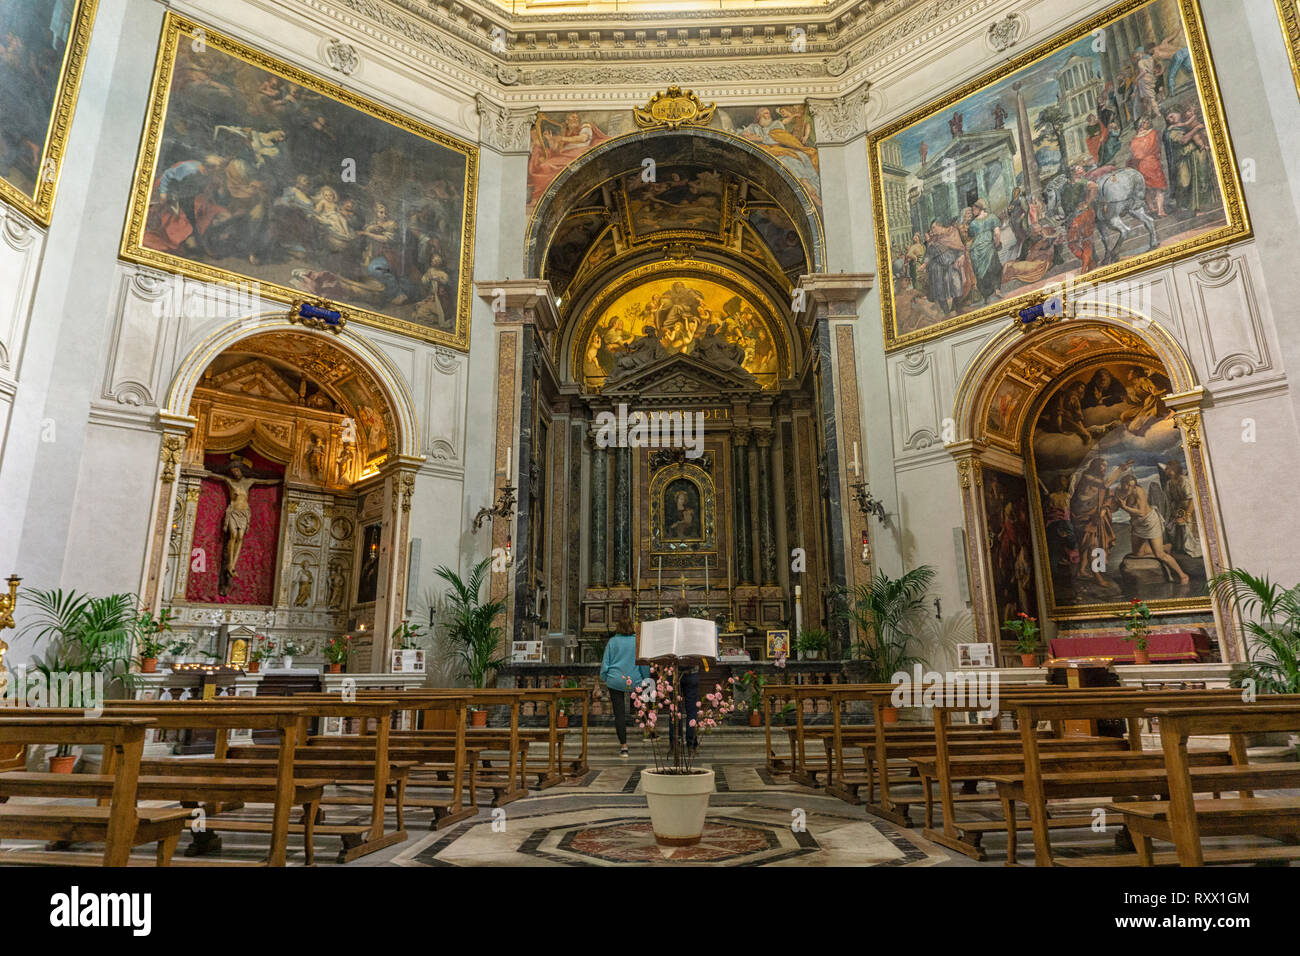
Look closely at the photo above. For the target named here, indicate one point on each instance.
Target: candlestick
(857, 472)
(508, 464)
(706, 579)
(636, 584)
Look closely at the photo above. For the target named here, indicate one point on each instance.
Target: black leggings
(619, 699)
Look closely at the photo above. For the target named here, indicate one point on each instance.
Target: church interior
(602, 432)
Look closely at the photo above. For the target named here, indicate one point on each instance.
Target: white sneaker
(622, 752)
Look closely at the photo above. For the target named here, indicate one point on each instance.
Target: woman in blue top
(620, 672)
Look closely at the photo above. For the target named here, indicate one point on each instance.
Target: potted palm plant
(1025, 629)
(474, 637)
(812, 643)
(882, 610)
(83, 635)
(1137, 622)
(1270, 618)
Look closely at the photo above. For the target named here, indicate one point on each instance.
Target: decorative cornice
(505, 130)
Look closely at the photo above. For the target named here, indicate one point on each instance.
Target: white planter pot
(287, 662)
(678, 805)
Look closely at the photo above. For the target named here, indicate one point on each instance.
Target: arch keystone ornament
(672, 109)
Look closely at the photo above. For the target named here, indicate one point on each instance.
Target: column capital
(833, 295)
(504, 129)
(520, 302)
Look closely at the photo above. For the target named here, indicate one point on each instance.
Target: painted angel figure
(238, 514)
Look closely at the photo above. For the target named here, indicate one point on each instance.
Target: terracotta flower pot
(561, 720)
(755, 719)
(478, 718)
(679, 804)
(148, 665)
(889, 715)
(336, 668)
(1028, 660)
(1141, 655)
(63, 764)
(254, 666)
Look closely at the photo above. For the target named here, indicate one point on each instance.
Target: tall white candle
(857, 472)
(706, 578)
(508, 462)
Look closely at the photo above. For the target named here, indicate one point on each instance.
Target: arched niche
(702, 147)
(328, 420)
(1010, 389)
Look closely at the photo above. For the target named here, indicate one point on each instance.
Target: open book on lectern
(677, 637)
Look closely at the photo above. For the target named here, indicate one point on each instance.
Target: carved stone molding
(342, 57)
(1003, 34)
(842, 119)
(505, 130)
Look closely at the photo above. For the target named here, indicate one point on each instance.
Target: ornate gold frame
(39, 205)
(1048, 599)
(1288, 11)
(1237, 227)
(707, 542)
(685, 269)
(174, 28)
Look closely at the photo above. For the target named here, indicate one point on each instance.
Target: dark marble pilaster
(597, 567)
(766, 517)
(622, 517)
(741, 468)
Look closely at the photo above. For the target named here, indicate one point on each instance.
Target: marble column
(622, 517)
(597, 567)
(766, 516)
(740, 471)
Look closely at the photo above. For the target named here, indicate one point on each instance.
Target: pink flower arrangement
(660, 695)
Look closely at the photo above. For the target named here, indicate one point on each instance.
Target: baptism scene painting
(42, 47)
(252, 170)
(690, 316)
(1100, 153)
(1117, 505)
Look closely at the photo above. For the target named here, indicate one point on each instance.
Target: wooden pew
(121, 824)
(279, 787)
(1038, 784)
(377, 770)
(1183, 820)
(949, 766)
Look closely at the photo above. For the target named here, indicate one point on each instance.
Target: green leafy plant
(1025, 630)
(753, 683)
(337, 649)
(882, 610)
(1137, 621)
(408, 637)
(263, 648)
(1270, 617)
(475, 639)
(292, 648)
(565, 704)
(813, 639)
(150, 631)
(82, 633)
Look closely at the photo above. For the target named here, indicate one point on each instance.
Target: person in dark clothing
(689, 680)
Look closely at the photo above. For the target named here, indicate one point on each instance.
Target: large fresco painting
(785, 132)
(1011, 545)
(251, 170)
(693, 316)
(42, 51)
(1288, 12)
(679, 198)
(1100, 153)
(1116, 503)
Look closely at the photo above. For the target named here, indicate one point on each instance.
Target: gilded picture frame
(377, 294)
(1288, 12)
(1203, 99)
(37, 200)
(672, 531)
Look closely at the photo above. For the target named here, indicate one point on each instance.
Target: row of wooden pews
(1046, 749)
(326, 757)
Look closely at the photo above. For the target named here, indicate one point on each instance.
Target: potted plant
(1137, 621)
(263, 649)
(1270, 618)
(882, 610)
(563, 704)
(812, 643)
(84, 635)
(1025, 629)
(676, 791)
(289, 650)
(475, 639)
(150, 643)
(753, 683)
(336, 652)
